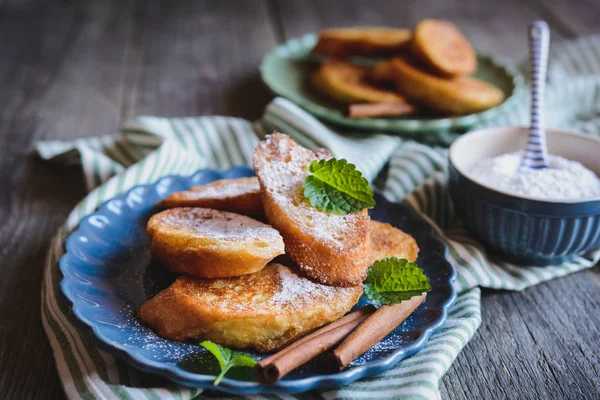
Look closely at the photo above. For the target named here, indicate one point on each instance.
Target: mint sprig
(337, 186)
(393, 280)
(227, 358)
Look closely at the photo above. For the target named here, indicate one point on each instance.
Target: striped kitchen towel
(151, 147)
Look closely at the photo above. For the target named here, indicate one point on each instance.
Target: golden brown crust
(459, 95)
(382, 72)
(331, 248)
(443, 48)
(362, 41)
(262, 311)
(387, 241)
(211, 243)
(241, 196)
(347, 84)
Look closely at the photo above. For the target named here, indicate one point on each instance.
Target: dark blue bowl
(523, 230)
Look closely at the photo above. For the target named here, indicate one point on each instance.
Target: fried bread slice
(457, 95)
(262, 311)
(387, 241)
(240, 196)
(211, 243)
(363, 41)
(331, 248)
(347, 84)
(443, 48)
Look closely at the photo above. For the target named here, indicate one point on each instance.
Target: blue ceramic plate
(108, 272)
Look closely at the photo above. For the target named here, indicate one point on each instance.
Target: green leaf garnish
(392, 280)
(337, 186)
(227, 358)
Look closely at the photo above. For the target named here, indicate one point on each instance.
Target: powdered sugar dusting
(204, 222)
(274, 289)
(283, 146)
(284, 178)
(155, 347)
(296, 290)
(224, 189)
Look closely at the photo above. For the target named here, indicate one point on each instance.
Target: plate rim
(398, 125)
(228, 385)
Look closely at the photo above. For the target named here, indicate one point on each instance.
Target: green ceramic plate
(285, 70)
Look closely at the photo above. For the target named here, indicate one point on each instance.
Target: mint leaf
(392, 280)
(337, 186)
(388, 298)
(222, 354)
(327, 198)
(227, 358)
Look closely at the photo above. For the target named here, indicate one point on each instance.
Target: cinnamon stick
(380, 110)
(377, 326)
(300, 352)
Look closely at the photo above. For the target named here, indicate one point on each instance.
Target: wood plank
(538, 343)
(61, 74)
(205, 64)
(498, 28)
(578, 18)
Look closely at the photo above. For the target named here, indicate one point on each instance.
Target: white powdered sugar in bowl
(562, 180)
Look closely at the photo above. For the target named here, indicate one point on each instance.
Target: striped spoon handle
(536, 153)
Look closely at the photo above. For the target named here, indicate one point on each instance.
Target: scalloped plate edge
(231, 386)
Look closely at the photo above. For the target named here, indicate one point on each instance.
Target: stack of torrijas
(235, 294)
(420, 72)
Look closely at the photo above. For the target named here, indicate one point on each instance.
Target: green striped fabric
(151, 147)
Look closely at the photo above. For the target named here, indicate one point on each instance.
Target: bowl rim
(495, 130)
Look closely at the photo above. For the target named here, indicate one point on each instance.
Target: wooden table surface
(71, 69)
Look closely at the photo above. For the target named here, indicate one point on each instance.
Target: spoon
(536, 153)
